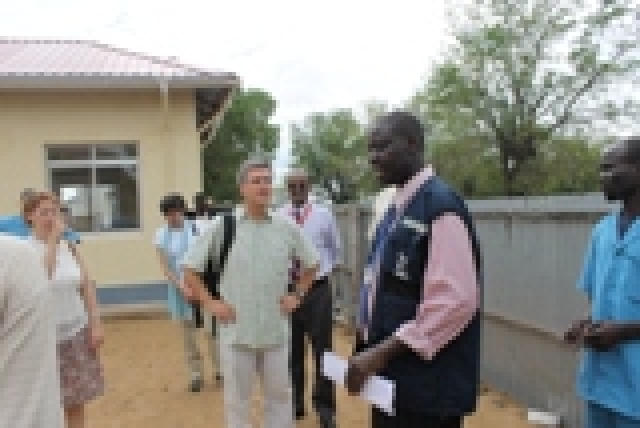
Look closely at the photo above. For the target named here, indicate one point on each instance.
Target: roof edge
(143, 81)
(166, 61)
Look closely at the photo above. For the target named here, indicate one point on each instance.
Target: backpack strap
(211, 275)
(229, 231)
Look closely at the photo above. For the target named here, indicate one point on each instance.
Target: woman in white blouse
(79, 333)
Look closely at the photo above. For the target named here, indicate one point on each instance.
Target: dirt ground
(146, 386)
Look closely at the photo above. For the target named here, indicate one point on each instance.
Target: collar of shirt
(404, 194)
(240, 214)
(289, 207)
(303, 210)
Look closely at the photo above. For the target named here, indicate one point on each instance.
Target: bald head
(402, 125)
(620, 171)
(298, 186)
(396, 147)
(297, 173)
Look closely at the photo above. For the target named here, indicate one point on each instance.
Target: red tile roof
(60, 61)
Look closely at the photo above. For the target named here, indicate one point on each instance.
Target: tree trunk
(508, 176)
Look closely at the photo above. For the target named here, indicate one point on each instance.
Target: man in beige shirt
(29, 382)
(254, 305)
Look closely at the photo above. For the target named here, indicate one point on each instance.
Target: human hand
(96, 335)
(224, 313)
(56, 230)
(187, 292)
(576, 332)
(361, 367)
(289, 303)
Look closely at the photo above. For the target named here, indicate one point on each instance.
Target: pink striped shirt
(451, 294)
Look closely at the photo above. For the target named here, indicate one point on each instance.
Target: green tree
(523, 73)
(332, 147)
(562, 166)
(245, 129)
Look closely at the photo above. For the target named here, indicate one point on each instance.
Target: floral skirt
(81, 376)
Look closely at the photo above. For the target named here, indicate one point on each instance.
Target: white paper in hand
(377, 390)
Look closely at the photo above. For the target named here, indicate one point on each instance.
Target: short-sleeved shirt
(15, 225)
(30, 387)
(255, 276)
(611, 280)
(174, 242)
(319, 225)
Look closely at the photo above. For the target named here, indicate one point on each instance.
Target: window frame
(93, 164)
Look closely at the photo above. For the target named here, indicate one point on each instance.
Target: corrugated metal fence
(533, 251)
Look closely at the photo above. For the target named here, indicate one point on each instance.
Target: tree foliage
(522, 74)
(245, 129)
(562, 166)
(332, 147)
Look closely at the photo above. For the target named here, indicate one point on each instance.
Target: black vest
(447, 384)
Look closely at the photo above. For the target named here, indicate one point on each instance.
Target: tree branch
(598, 73)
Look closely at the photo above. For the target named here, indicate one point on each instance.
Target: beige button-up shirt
(256, 275)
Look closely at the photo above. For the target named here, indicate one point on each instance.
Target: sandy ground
(146, 386)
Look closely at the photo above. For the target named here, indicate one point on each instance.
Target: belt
(320, 282)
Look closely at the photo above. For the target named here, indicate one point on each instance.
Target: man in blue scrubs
(609, 376)
(15, 225)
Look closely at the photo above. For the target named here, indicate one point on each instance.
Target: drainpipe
(164, 93)
(170, 149)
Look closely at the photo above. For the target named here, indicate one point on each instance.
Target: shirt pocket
(630, 288)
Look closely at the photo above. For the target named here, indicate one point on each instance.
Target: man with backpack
(172, 242)
(253, 305)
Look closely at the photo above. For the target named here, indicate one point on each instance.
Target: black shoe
(300, 414)
(196, 385)
(327, 418)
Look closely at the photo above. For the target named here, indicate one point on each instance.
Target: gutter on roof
(23, 81)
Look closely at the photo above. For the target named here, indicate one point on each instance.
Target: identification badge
(368, 275)
(402, 263)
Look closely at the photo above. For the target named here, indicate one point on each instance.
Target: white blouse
(68, 306)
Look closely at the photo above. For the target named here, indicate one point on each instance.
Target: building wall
(169, 160)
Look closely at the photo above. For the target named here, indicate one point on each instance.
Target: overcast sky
(310, 57)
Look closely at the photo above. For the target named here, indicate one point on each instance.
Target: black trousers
(404, 419)
(198, 316)
(313, 319)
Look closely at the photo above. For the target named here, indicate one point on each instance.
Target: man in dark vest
(420, 301)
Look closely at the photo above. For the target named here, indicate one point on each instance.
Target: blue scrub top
(611, 280)
(15, 225)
